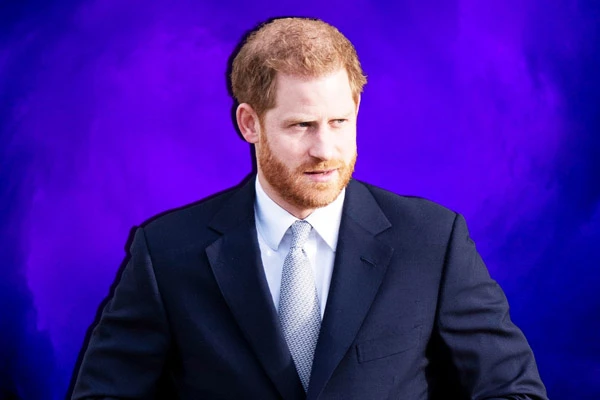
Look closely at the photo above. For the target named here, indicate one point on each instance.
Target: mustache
(321, 166)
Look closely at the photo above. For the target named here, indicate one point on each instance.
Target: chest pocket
(385, 346)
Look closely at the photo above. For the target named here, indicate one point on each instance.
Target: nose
(322, 144)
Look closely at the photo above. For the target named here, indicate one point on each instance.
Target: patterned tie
(299, 311)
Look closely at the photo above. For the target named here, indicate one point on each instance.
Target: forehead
(326, 93)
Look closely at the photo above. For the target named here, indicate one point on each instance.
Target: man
(304, 283)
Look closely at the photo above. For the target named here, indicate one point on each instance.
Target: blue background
(111, 112)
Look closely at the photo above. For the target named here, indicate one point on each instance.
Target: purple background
(113, 111)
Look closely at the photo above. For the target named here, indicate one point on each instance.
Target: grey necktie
(299, 311)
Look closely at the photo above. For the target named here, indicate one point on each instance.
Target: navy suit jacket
(412, 312)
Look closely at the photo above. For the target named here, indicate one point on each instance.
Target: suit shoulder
(178, 226)
(419, 209)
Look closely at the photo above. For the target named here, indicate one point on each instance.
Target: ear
(358, 104)
(247, 121)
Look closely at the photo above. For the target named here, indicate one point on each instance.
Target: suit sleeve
(491, 354)
(128, 346)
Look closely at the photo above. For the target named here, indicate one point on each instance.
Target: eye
(301, 125)
(339, 121)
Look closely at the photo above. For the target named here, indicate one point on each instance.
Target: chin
(320, 195)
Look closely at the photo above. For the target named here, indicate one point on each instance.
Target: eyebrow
(306, 118)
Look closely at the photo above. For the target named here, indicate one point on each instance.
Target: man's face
(307, 146)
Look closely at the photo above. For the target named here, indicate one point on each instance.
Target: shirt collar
(273, 221)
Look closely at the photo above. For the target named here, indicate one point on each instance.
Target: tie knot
(300, 232)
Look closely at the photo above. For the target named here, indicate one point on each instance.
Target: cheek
(348, 147)
(291, 153)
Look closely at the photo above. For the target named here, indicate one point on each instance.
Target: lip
(321, 176)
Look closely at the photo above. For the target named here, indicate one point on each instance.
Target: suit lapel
(237, 266)
(360, 264)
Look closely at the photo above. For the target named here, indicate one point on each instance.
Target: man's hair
(295, 46)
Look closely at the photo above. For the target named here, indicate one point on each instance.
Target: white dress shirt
(274, 240)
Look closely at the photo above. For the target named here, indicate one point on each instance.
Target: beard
(293, 185)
